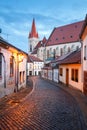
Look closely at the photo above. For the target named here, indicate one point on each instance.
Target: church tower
(33, 37)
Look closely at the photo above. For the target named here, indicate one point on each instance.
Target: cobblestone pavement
(46, 108)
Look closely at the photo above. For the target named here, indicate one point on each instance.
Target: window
(74, 75)
(30, 48)
(61, 52)
(68, 49)
(23, 76)
(20, 77)
(85, 52)
(0, 65)
(77, 47)
(61, 71)
(11, 66)
(47, 53)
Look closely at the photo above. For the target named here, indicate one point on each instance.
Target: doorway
(67, 76)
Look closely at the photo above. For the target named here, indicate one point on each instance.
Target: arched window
(68, 49)
(77, 47)
(57, 51)
(61, 51)
(64, 49)
(30, 48)
(72, 47)
(47, 53)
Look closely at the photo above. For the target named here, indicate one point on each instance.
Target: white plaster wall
(40, 53)
(37, 67)
(50, 74)
(55, 75)
(75, 44)
(29, 68)
(33, 42)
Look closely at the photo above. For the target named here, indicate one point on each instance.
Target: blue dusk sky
(16, 17)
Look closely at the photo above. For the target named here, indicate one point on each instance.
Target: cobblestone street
(46, 107)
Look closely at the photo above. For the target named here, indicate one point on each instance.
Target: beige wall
(79, 84)
(84, 61)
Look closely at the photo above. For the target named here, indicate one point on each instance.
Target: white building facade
(12, 68)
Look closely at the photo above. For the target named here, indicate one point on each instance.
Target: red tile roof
(41, 43)
(33, 32)
(74, 57)
(65, 34)
(32, 58)
(34, 51)
(69, 58)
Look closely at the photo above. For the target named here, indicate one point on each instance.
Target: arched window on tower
(30, 48)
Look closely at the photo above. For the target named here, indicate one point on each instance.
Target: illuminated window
(0, 65)
(11, 66)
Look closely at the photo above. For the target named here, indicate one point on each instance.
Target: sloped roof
(32, 58)
(74, 57)
(69, 58)
(34, 51)
(65, 34)
(6, 43)
(41, 43)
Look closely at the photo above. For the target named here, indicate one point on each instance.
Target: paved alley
(46, 107)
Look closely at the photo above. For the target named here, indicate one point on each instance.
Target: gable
(84, 33)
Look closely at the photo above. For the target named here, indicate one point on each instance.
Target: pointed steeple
(33, 32)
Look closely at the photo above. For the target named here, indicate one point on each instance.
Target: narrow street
(47, 107)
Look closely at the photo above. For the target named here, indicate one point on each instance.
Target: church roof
(65, 34)
(33, 32)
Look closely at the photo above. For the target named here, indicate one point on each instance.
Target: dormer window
(56, 39)
(75, 26)
(71, 36)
